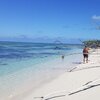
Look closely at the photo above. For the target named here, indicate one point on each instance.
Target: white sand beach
(82, 83)
(43, 46)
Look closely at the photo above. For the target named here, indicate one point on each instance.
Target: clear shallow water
(15, 56)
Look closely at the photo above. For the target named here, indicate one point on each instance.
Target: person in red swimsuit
(85, 54)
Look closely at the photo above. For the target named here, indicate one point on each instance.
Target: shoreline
(73, 85)
(58, 67)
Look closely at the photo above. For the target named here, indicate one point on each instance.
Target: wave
(13, 50)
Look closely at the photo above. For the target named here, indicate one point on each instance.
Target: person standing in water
(62, 57)
(85, 54)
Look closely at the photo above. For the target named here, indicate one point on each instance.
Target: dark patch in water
(17, 50)
(4, 64)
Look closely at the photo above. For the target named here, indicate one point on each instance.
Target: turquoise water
(15, 56)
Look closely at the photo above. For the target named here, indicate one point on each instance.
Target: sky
(44, 20)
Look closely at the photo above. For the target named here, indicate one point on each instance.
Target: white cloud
(95, 17)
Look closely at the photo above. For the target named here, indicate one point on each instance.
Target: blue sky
(49, 19)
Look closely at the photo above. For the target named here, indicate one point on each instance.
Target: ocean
(24, 65)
